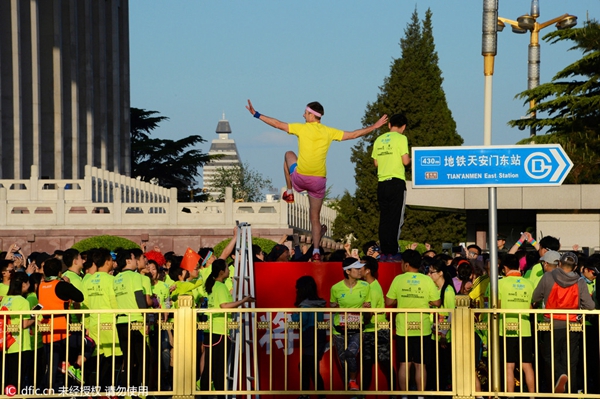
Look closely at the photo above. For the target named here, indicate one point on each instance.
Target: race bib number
(352, 319)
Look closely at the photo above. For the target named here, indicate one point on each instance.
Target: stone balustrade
(105, 199)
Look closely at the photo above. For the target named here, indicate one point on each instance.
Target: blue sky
(193, 60)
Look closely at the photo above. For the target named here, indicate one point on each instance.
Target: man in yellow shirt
(307, 171)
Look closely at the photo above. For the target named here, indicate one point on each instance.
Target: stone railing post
(112, 186)
(60, 206)
(87, 183)
(33, 183)
(117, 208)
(173, 207)
(228, 206)
(105, 186)
(3, 206)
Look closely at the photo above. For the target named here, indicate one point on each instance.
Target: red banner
(275, 284)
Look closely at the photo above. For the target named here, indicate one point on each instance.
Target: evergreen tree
(572, 102)
(169, 163)
(414, 88)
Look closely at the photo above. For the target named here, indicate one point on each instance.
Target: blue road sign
(490, 166)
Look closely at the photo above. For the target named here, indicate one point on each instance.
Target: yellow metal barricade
(286, 347)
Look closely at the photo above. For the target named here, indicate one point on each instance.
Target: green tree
(168, 163)
(246, 183)
(414, 88)
(572, 102)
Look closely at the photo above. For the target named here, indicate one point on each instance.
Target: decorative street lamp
(529, 23)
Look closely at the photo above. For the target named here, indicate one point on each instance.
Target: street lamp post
(489, 50)
(528, 22)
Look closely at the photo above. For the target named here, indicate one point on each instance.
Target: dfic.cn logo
(10, 390)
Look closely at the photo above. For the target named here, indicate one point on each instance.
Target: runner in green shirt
(100, 294)
(89, 268)
(351, 292)
(219, 297)
(413, 290)
(19, 355)
(391, 156)
(7, 269)
(72, 259)
(207, 257)
(515, 292)
(160, 338)
(37, 342)
(442, 378)
(141, 263)
(376, 323)
(129, 294)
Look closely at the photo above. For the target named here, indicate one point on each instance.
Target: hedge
(105, 241)
(265, 244)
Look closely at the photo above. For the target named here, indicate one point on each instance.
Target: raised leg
(289, 159)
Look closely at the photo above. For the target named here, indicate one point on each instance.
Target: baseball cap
(551, 257)
(569, 257)
(593, 269)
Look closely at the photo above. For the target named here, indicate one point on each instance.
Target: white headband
(312, 111)
(355, 265)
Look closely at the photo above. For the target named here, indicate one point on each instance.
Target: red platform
(276, 288)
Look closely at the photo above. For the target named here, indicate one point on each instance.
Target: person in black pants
(390, 154)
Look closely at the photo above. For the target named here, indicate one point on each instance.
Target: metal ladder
(243, 338)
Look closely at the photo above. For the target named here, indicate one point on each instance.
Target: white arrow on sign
(561, 165)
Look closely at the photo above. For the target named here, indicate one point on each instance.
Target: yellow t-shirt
(314, 140)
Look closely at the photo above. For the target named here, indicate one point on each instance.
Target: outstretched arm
(231, 305)
(230, 246)
(361, 132)
(277, 124)
(524, 238)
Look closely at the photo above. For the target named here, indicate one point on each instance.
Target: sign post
(492, 167)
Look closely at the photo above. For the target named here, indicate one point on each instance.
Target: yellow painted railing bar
(463, 325)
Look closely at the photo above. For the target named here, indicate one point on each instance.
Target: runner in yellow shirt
(307, 170)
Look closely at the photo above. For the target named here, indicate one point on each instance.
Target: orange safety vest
(48, 299)
(563, 298)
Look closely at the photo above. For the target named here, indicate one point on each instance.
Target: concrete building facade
(64, 87)
(570, 212)
(228, 154)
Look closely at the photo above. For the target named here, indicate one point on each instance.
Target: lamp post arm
(552, 21)
(510, 22)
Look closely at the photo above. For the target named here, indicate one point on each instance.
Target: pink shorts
(314, 185)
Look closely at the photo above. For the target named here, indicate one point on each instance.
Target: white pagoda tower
(230, 157)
